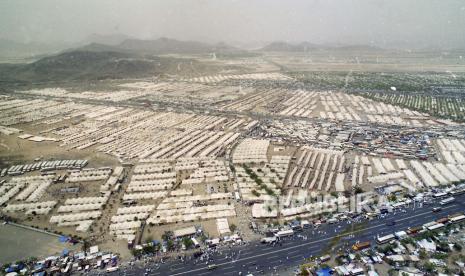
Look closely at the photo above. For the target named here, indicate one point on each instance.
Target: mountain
(172, 46)
(132, 58)
(98, 47)
(108, 39)
(98, 65)
(164, 46)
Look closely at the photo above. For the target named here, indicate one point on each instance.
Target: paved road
(259, 258)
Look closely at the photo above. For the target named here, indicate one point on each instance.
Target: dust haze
(248, 24)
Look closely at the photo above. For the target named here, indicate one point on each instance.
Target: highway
(257, 258)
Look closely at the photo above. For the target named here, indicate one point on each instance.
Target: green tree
(430, 267)
(187, 242)
(392, 197)
(148, 249)
(167, 235)
(422, 254)
(136, 253)
(170, 245)
(85, 245)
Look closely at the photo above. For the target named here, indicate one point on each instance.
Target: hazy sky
(407, 23)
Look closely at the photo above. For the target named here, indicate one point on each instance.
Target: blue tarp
(63, 239)
(324, 272)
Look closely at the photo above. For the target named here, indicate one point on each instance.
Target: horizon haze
(412, 24)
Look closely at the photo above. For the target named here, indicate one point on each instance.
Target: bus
(443, 220)
(426, 225)
(435, 226)
(457, 219)
(284, 233)
(360, 246)
(439, 195)
(385, 239)
(457, 192)
(447, 200)
(269, 240)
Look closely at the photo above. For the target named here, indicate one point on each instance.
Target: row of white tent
(8, 191)
(40, 208)
(127, 220)
(88, 200)
(75, 217)
(251, 76)
(80, 207)
(209, 172)
(145, 195)
(251, 151)
(94, 174)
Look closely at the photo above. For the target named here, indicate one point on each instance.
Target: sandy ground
(18, 243)
(18, 151)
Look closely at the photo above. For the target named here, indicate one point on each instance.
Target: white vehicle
(112, 269)
(429, 224)
(332, 220)
(385, 239)
(400, 235)
(305, 224)
(439, 195)
(195, 242)
(269, 240)
(447, 200)
(284, 233)
(457, 219)
(435, 226)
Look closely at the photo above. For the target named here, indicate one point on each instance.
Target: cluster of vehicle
(43, 166)
(446, 197)
(64, 265)
(430, 226)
